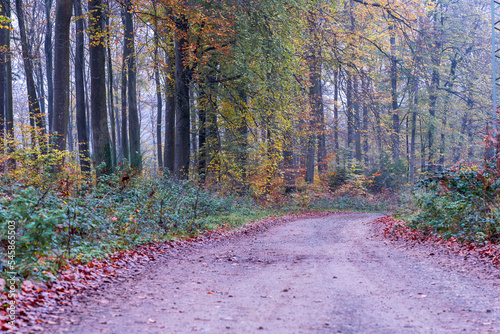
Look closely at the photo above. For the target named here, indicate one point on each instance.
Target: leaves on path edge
(36, 300)
(398, 230)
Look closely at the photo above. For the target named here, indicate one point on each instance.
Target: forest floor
(326, 274)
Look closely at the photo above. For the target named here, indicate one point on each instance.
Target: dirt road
(324, 275)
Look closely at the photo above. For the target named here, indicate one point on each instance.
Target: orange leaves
(398, 230)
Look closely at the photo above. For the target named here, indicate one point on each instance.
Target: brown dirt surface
(327, 274)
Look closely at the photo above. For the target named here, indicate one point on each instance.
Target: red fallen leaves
(32, 300)
(397, 230)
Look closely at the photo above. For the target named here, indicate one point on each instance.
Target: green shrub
(462, 202)
(337, 178)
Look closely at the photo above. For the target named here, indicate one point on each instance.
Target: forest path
(322, 275)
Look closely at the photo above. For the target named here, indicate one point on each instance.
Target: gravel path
(324, 275)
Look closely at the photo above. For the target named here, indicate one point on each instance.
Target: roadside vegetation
(63, 216)
(462, 202)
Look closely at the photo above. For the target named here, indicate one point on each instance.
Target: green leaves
(462, 202)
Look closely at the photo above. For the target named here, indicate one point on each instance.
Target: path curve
(323, 275)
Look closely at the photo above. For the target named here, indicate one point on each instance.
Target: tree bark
(48, 60)
(134, 125)
(101, 142)
(169, 157)
(111, 99)
(9, 105)
(365, 87)
(357, 119)
(124, 101)
(349, 111)
(394, 94)
(336, 115)
(159, 102)
(182, 115)
(81, 123)
(61, 74)
(3, 65)
(202, 133)
(36, 120)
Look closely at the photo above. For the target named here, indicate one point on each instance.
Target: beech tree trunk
(357, 119)
(182, 115)
(36, 120)
(111, 99)
(350, 117)
(48, 60)
(202, 133)
(170, 100)
(124, 101)
(365, 87)
(134, 125)
(101, 142)
(159, 102)
(81, 123)
(8, 99)
(394, 94)
(61, 74)
(336, 143)
(3, 65)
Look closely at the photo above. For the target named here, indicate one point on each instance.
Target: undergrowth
(50, 215)
(461, 202)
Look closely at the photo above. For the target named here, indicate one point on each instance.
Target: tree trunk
(3, 64)
(432, 111)
(81, 123)
(349, 111)
(170, 100)
(394, 94)
(124, 101)
(202, 133)
(336, 115)
(322, 163)
(365, 87)
(315, 98)
(9, 105)
(61, 74)
(182, 78)
(159, 102)
(102, 148)
(111, 99)
(48, 60)
(242, 132)
(357, 119)
(70, 127)
(134, 125)
(36, 120)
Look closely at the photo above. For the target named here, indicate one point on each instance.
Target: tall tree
(111, 100)
(133, 116)
(36, 120)
(48, 59)
(61, 74)
(159, 102)
(81, 120)
(101, 142)
(124, 102)
(182, 110)
(8, 98)
(394, 95)
(170, 101)
(3, 58)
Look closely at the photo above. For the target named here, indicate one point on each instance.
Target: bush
(462, 202)
(391, 175)
(67, 216)
(337, 178)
